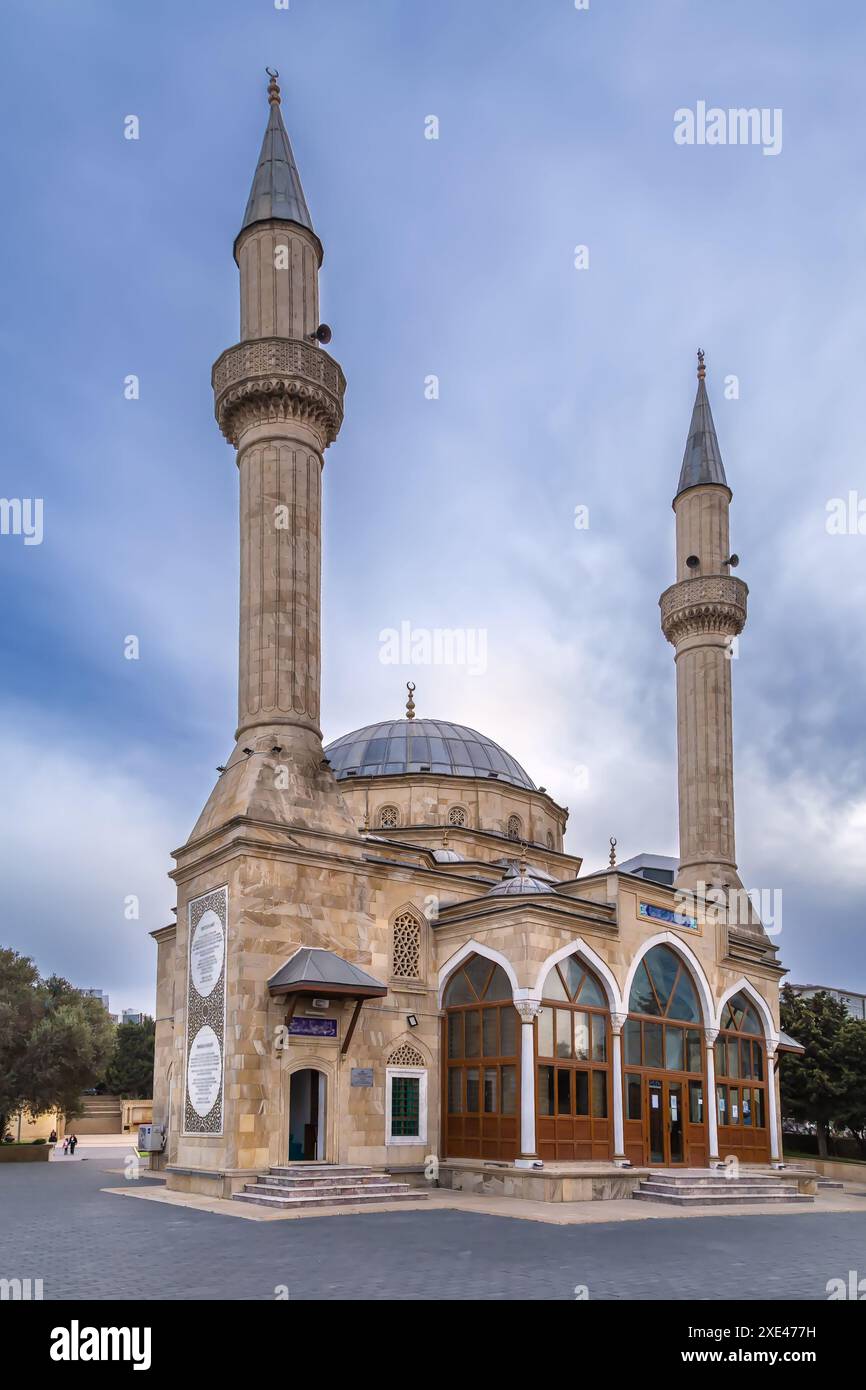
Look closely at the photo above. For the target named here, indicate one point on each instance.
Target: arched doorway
(663, 1065)
(573, 1101)
(307, 1116)
(741, 1083)
(481, 1080)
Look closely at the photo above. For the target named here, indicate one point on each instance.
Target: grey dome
(423, 745)
(448, 856)
(515, 884)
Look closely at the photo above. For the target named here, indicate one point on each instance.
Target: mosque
(383, 954)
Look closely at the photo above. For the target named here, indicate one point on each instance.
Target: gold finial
(613, 852)
(445, 840)
(702, 370)
(410, 703)
(523, 866)
(273, 88)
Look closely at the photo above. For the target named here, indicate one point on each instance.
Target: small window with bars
(405, 1107)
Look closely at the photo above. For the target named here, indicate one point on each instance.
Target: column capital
(529, 1009)
(710, 1035)
(771, 1045)
(617, 1023)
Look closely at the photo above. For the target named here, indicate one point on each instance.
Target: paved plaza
(60, 1225)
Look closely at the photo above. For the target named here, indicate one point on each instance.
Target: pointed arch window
(573, 1036)
(514, 829)
(741, 1081)
(406, 947)
(389, 818)
(662, 1002)
(481, 1044)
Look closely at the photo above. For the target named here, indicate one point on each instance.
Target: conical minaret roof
(276, 190)
(702, 460)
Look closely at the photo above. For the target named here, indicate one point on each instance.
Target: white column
(710, 1035)
(772, 1108)
(528, 1010)
(617, 1022)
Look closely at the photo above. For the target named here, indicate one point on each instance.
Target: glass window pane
(599, 1037)
(405, 1106)
(722, 1102)
(473, 1091)
(455, 1035)
(508, 1031)
(642, 1000)
(674, 1055)
(499, 986)
(455, 1090)
(684, 1001)
(459, 991)
(581, 1093)
(758, 1061)
(720, 1053)
(563, 1091)
(563, 1033)
(696, 1102)
(745, 1057)
(581, 1036)
(554, 988)
(545, 1033)
(591, 993)
(663, 965)
(479, 970)
(490, 1032)
(573, 973)
(733, 1057)
(694, 1060)
(633, 1093)
(652, 1044)
(509, 1090)
(759, 1106)
(734, 1117)
(747, 1105)
(545, 1090)
(631, 1042)
(491, 1088)
(599, 1095)
(473, 1033)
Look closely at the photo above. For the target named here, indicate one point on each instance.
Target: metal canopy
(313, 970)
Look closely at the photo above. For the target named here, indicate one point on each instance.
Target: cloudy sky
(559, 387)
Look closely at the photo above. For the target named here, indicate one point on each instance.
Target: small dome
(423, 745)
(448, 856)
(516, 883)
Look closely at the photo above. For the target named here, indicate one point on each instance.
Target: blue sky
(558, 388)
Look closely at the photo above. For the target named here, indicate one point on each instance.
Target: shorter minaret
(701, 613)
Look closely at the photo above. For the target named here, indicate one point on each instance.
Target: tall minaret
(279, 402)
(700, 615)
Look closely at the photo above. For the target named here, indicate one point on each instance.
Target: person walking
(72, 1143)
(52, 1138)
(66, 1146)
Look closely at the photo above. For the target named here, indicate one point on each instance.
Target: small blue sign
(665, 914)
(313, 1027)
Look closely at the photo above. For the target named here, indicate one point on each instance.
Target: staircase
(706, 1188)
(325, 1185)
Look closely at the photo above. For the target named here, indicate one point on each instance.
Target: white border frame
(206, 1133)
(403, 1139)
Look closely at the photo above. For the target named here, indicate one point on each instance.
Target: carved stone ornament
(528, 1009)
(270, 380)
(710, 603)
(710, 1035)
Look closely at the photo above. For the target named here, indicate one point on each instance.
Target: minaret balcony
(270, 380)
(709, 603)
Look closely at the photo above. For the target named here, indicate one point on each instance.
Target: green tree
(130, 1070)
(852, 1114)
(54, 1043)
(815, 1087)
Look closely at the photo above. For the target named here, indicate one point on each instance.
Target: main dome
(423, 745)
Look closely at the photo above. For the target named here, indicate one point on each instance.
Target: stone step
(295, 1180)
(730, 1189)
(342, 1189)
(323, 1170)
(717, 1199)
(719, 1179)
(293, 1203)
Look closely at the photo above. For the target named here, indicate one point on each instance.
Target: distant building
(854, 1003)
(132, 1016)
(97, 994)
(656, 868)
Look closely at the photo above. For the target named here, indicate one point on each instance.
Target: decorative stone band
(710, 603)
(275, 379)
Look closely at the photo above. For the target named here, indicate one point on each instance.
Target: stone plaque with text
(205, 1013)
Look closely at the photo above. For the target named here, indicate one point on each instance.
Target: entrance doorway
(307, 1094)
(665, 1138)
